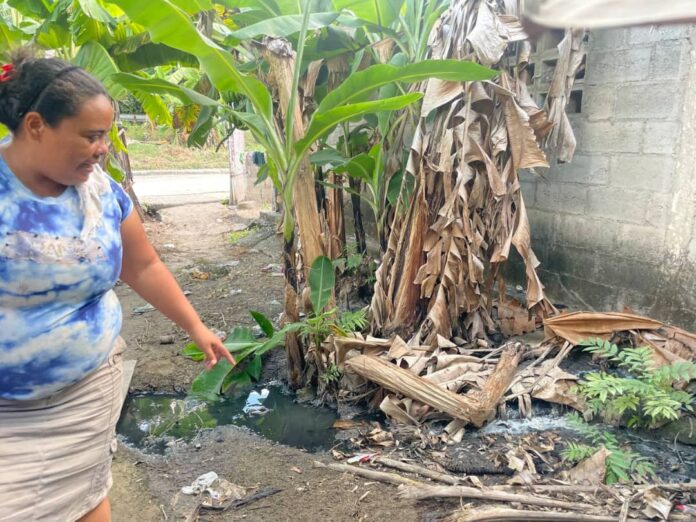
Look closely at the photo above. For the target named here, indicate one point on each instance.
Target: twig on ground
(423, 492)
(419, 470)
(390, 478)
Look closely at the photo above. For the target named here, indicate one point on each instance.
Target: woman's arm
(145, 273)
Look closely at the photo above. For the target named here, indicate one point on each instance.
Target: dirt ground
(225, 281)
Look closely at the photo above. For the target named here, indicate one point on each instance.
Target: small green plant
(622, 465)
(248, 350)
(646, 394)
(332, 374)
(321, 323)
(238, 235)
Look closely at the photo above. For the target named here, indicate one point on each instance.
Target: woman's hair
(53, 88)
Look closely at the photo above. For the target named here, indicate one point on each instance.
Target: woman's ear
(33, 126)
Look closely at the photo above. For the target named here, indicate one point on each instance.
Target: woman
(67, 233)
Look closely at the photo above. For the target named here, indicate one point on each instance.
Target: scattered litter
(257, 331)
(199, 485)
(296, 470)
(187, 292)
(143, 309)
(166, 339)
(215, 492)
(231, 264)
(272, 268)
(169, 246)
(254, 403)
(195, 273)
(235, 291)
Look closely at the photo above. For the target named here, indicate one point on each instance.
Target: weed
(622, 464)
(646, 395)
(238, 235)
(332, 374)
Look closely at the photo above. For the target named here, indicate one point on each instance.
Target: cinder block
(618, 66)
(655, 33)
(643, 242)
(604, 136)
(586, 169)
(643, 171)
(619, 204)
(598, 102)
(599, 296)
(661, 137)
(603, 39)
(669, 60)
(542, 225)
(561, 197)
(661, 100)
(528, 189)
(592, 233)
(658, 210)
(573, 261)
(634, 274)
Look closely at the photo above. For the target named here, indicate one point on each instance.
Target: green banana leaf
(95, 10)
(193, 6)
(151, 55)
(160, 86)
(322, 280)
(358, 86)
(282, 26)
(95, 59)
(378, 12)
(323, 122)
(171, 26)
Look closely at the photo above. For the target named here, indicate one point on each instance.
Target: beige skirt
(55, 453)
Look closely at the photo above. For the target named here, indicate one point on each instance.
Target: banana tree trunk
(357, 216)
(335, 217)
(281, 59)
(446, 246)
(124, 161)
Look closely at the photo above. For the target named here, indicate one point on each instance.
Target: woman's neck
(19, 160)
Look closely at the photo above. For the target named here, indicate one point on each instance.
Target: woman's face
(71, 149)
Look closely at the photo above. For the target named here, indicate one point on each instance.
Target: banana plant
(170, 25)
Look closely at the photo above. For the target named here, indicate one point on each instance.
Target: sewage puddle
(150, 421)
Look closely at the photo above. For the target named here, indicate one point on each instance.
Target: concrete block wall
(615, 226)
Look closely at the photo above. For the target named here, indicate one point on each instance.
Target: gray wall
(615, 226)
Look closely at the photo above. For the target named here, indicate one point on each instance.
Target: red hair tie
(7, 70)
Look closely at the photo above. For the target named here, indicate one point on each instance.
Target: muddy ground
(225, 281)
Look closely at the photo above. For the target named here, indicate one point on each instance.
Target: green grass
(235, 237)
(159, 148)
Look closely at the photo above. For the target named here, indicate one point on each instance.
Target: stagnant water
(149, 421)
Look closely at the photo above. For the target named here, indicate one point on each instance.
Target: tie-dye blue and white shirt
(60, 258)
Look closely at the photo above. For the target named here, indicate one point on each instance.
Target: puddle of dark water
(149, 421)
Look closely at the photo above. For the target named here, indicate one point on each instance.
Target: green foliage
(238, 235)
(622, 465)
(247, 350)
(646, 395)
(332, 374)
(322, 280)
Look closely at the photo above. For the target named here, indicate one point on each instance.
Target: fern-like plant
(646, 394)
(622, 464)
